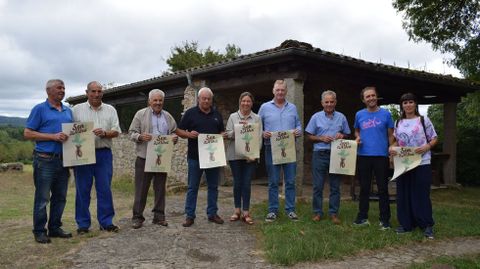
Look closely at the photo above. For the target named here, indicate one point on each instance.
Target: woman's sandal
(247, 219)
(235, 217)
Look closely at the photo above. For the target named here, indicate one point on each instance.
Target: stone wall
(124, 149)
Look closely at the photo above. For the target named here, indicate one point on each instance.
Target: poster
(343, 157)
(159, 154)
(283, 147)
(79, 149)
(405, 160)
(211, 151)
(247, 140)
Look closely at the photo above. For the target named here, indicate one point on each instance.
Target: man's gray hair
(93, 84)
(205, 89)
(329, 92)
(53, 82)
(155, 91)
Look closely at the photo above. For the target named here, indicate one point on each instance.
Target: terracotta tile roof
(296, 48)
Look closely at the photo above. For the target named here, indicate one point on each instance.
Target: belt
(48, 154)
(102, 148)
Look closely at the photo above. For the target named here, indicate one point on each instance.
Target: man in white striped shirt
(106, 127)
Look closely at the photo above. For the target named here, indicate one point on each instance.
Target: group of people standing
(375, 134)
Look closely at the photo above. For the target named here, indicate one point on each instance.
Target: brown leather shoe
(137, 224)
(188, 222)
(160, 222)
(317, 218)
(335, 219)
(216, 219)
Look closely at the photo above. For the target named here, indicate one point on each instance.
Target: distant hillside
(12, 121)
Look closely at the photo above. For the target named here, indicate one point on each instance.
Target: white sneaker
(292, 216)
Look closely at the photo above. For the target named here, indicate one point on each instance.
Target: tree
(189, 55)
(451, 26)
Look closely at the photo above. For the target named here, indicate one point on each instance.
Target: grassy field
(17, 247)
(286, 242)
(283, 242)
(466, 262)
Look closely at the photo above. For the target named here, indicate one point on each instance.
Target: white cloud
(127, 41)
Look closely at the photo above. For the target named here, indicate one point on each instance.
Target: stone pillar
(177, 178)
(295, 96)
(450, 143)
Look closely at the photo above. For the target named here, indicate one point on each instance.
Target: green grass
(287, 243)
(16, 239)
(464, 262)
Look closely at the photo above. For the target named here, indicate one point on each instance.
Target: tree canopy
(451, 26)
(189, 55)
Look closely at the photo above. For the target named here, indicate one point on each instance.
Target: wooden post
(450, 143)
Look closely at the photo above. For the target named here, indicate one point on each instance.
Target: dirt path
(231, 245)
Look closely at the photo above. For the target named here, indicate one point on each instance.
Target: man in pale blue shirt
(279, 115)
(323, 128)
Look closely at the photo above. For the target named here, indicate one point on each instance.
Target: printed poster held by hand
(283, 147)
(247, 140)
(211, 151)
(405, 160)
(343, 157)
(79, 149)
(159, 154)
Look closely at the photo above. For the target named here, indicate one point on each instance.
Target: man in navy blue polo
(201, 119)
(44, 126)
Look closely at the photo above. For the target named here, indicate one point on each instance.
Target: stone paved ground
(231, 245)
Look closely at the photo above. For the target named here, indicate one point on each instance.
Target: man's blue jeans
(49, 176)
(289, 173)
(194, 175)
(320, 167)
(242, 175)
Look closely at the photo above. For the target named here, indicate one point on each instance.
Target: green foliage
(287, 243)
(189, 55)
(394, 110)
(13, 148)
(450, 26)
(468, 136)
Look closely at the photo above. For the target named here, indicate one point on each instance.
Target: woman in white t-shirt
(414, 207)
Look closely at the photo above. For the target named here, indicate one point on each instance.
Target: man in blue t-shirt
(373, 133)
(44, 126)
(201, 119)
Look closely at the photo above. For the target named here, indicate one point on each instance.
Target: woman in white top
(414, 207)
(242, 167)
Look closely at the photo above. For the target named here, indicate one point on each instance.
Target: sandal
(247, 219)
(235, 216)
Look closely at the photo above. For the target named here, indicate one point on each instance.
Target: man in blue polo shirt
(279, 115)
(44, 126)
(373, 133)
(201, 119)
(322, 129)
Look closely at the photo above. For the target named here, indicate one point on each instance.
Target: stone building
(308, 71)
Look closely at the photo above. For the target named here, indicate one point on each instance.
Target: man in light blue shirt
(279, 115)
(323, 128)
